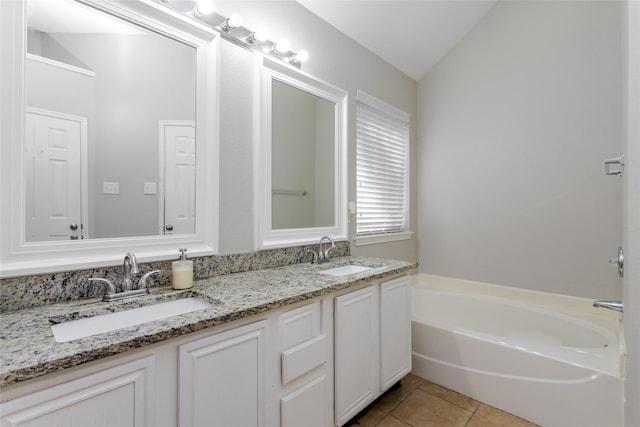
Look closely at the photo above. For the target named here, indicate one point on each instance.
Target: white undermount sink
(345, 270)
(80, 328)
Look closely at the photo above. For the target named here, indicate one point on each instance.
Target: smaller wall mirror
(302, 158)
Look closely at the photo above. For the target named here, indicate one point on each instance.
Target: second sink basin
(80, 328)
(345, 270)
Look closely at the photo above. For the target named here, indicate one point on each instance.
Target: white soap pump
(182, 272)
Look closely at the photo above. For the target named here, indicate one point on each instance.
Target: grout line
(473, 414)
(453, 403)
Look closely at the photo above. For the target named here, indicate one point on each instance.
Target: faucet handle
(314, 258)
(112, 288)
(326, 252)
(142, 284)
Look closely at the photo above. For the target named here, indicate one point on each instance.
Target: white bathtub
(551, 359)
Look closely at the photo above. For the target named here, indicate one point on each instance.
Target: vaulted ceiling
(411, 35)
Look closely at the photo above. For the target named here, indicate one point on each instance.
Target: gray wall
(335, 59)
(514, 126)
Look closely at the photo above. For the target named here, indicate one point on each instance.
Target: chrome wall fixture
(231, 29)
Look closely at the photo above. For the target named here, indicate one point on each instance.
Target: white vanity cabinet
(119, 396)
(316, 363)
(395, 331)
(274, 371)
(372, 344)
(222, 378)
(305, 361)
(357, 352)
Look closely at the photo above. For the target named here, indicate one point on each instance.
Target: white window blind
(382, 144)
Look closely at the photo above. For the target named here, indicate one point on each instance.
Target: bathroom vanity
(280, 346)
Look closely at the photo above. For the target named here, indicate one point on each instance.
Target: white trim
(383, 238)
(18, 257)
(268, 70)
(61, 65)
(373, 102)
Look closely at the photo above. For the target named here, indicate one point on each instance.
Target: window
(382, 170)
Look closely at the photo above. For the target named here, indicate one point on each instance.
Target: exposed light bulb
(301, 56)
(203, 7)
(282, 46)
(261, 34)
(235, 20)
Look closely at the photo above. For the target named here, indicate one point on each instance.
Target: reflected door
(180, 172)
(53, 181)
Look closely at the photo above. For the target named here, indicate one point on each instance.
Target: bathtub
(551, 359)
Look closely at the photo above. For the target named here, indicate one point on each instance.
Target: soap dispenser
(182, 272)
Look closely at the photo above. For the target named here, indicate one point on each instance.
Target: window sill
(383, 238)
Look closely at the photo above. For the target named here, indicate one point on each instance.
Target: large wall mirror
(302, 158)
(111, 151)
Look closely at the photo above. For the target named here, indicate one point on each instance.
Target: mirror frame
(18, 257)
(267, 236)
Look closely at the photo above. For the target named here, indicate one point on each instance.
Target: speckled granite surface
(28, 349)
(17, 293)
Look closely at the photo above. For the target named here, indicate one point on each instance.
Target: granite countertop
(28, 349)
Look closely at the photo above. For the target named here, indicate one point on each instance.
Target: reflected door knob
(169, 227)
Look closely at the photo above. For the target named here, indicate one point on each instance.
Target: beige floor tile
(390, 401)
(377, 412)
(410, 382)
(450, 396)
(391, 421)
(488, 416)
(367, 420)
(422, 409)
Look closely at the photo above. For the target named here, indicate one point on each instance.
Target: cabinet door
(117, 397)
(395, 331)
(357, 352)
(222, 377)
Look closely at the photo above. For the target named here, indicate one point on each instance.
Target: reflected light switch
(149, 188)
(111, 188)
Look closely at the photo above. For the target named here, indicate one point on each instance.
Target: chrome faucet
(324, 256)
(321, 256)
(127, 289)
(130, 265)
(611, 305)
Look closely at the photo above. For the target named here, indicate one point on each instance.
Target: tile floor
(420, 403)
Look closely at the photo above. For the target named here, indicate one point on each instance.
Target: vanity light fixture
(233, 21)
(231, 29)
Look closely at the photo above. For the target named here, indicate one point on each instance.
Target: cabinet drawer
(300, 325)
(304, 357)
(306, 406)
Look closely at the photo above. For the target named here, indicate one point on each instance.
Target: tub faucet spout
(611, 305)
